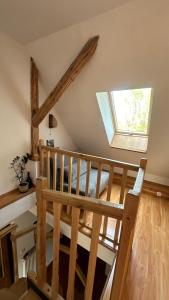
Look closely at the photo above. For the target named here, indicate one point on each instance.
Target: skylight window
(126, 117)
(131, 110)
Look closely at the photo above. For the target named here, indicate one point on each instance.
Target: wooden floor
(148, 274)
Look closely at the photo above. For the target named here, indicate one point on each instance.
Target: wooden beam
(34, 109)
(71, 73)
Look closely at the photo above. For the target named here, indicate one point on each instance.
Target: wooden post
(126, 239)
(122, 194)
(41, 232)
(69, 76)
(34, 109)
(143, 163)
(15, 256)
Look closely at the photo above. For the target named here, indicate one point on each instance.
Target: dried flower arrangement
(18, 164)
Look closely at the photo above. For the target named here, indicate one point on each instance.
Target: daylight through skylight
(131, 110)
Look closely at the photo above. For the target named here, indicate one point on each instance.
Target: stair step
(19, 287)
(30, 295)
(6, 294)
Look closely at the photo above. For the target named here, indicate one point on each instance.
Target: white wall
(15, 110)
(132, 52)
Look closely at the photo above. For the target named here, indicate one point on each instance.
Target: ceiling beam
(71, 73)
(34, 109)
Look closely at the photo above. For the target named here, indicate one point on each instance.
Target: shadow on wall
(10, 84)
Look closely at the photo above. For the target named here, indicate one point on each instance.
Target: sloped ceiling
(28, 20)
(133, 52)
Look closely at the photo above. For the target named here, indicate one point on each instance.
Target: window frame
(114, 117)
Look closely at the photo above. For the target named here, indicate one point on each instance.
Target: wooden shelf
(14, 195)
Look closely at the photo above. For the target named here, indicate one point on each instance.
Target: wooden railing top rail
(101, 207)
(102, 160)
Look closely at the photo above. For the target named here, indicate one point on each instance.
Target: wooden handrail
(83, 156)
(108, 209)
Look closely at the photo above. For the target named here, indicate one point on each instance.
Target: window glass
(131, 110)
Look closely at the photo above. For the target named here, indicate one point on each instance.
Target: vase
(23, 187)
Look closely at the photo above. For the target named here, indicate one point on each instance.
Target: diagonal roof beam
(71, 73)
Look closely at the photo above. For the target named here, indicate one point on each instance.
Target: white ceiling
(27, 20)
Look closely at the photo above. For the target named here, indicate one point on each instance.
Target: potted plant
(18, 164)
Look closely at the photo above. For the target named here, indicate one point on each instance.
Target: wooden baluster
(56, 244)
(121, 201)
(41, 232)
(70, 159)
(62, 159)
(48, 168)
(109, 188)
(98, 181)
(87, 188)
(70, 174)
(73, 253)
(88, 177)
(78, 176)
(41, 163)
(97, 219)
(54, 170)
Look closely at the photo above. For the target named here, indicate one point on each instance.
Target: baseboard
(152, 188)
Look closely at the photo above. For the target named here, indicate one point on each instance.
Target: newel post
(126, 239)
(41, 232)
(143, 163)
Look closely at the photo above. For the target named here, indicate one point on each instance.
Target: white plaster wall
(14, 107)
(132, 52)
(15, 110)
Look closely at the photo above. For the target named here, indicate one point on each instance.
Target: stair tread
(31, 295)
(19, 287)
(7, 294)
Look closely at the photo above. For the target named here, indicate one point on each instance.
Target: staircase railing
(126, 214)
(50, 158)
